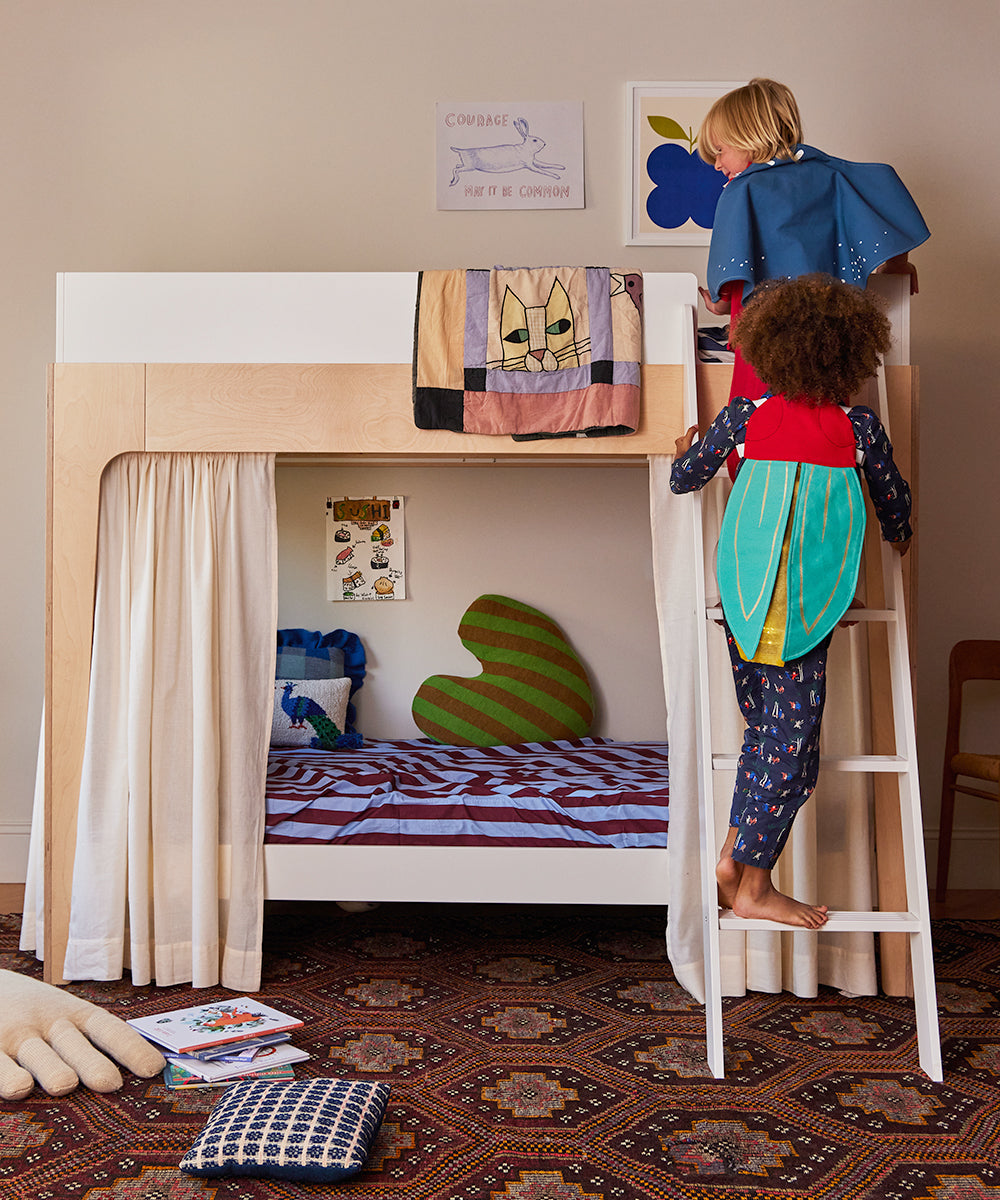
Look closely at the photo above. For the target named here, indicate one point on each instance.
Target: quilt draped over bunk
(532, 352)
(168, 876)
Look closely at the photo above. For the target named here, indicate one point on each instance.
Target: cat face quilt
(531, 352)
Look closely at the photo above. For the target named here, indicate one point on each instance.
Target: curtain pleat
(33, 915)
(168, 875)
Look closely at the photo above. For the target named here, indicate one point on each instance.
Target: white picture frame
(684, 189)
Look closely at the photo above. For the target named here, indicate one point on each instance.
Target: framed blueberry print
(672, 192)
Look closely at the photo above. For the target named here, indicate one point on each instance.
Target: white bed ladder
(915, 921)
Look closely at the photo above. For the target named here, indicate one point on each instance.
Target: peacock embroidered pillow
(312, 713)
(305, 654)
(316, 1130)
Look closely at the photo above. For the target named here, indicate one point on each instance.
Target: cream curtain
(32, 919)
(836, 818)
(168, 876)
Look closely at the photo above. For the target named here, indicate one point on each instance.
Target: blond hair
(761, 118)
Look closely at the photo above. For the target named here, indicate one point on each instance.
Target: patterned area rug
(547, 1054)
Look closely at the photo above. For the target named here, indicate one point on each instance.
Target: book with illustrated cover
(178, 1079)
(239, 1065)
(204, 1025)
(228, 1049)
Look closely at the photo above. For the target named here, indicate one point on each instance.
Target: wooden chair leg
(944, 836)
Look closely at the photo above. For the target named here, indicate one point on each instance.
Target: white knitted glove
(46, 1030)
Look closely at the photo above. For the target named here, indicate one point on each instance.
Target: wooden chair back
(971, 659)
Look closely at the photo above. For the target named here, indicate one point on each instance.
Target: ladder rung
(857, 762)
(854, 922)
(854, 614)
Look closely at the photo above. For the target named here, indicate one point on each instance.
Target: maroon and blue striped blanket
(587, 792)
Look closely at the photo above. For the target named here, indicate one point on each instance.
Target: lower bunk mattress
(586, 792)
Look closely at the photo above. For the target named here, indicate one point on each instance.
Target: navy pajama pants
(779, 763)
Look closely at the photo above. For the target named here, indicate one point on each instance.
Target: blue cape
(813, 213)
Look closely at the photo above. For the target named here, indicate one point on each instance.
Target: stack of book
(211, 1045)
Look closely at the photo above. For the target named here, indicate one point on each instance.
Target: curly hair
(813, 338)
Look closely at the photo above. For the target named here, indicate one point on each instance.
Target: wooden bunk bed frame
(360, 412)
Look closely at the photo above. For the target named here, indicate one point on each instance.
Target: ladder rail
(904, 717)
(703, 748)
(911, 815)
(706, 794)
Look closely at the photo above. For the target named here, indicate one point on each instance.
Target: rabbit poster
(519, 154)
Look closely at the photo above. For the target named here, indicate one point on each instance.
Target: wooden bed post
(94, 414)
(894, 954)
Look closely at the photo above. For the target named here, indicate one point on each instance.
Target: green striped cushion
(533, 687)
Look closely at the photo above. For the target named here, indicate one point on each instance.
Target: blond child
(789, 209)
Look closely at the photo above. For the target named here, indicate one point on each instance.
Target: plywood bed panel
(93, 415)
(363, 409)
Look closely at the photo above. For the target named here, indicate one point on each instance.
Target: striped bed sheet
(586, 792)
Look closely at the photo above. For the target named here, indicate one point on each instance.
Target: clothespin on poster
(357, 509)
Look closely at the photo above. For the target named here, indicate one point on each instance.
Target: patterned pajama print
(777, 771)
(783, 706)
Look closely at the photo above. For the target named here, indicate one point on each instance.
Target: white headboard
(303, 317)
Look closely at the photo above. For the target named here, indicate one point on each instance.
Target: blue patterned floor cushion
(314, 1130)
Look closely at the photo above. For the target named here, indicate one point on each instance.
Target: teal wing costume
(793, 530)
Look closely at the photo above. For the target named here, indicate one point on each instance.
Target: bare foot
(728, 873)
(757, 897)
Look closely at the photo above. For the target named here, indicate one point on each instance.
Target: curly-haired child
(790, 550)
(789, 209)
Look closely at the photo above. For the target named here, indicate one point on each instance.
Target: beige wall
(572, 541)
(227, 136)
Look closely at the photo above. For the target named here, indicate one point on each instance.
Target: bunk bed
(163, 364)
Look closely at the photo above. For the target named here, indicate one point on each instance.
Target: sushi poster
(365, 548)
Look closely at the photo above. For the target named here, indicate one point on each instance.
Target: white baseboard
(14, 836)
